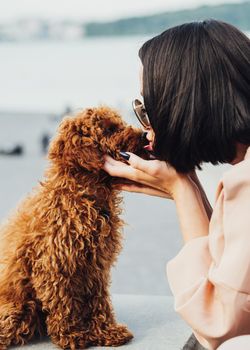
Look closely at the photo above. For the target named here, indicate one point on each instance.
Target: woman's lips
(148, 147)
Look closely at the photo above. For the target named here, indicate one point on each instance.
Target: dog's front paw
(115, 335)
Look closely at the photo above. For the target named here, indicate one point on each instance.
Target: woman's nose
(150, 135)
(147, 135)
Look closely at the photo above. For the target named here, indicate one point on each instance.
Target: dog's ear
(57, 145)
(83, 151)
(74, 147)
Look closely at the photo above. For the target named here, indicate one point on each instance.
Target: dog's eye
(108, 127)
(110, 130)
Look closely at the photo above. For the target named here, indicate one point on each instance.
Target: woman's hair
(196, 89)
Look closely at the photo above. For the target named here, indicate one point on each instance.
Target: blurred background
(59, 56)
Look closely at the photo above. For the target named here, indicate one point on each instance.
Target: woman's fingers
(120, 169)
(143, 189)
(116, 168)
(110, 160)
(151, 167)
(153, 173)
(138, 169)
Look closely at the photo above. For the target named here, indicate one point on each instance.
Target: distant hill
(236, 14)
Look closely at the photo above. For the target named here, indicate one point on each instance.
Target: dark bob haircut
(196, 90)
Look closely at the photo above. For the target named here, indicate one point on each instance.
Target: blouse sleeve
(210, 276)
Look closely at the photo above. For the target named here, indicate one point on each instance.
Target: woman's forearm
(193, 218)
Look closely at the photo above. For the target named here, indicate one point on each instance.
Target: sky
(97, 10)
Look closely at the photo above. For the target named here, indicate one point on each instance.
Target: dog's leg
(103, 329)
(77, 324)
(19, 322)
(76, 320)
(66, 331)
(20, 313)
(114, 335)
(61, 301)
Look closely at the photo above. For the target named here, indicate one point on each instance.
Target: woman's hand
(131, 186)
(151, 177)
(158, 178)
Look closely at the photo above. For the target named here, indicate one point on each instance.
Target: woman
(196, 90)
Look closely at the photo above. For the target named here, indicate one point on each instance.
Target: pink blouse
(210, 276)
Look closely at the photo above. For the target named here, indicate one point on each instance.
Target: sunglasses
(141, 113)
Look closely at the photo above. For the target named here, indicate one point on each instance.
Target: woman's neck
(241, 152)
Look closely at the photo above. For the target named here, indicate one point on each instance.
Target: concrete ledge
(151, 319)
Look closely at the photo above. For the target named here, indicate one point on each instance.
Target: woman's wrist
(180, 185)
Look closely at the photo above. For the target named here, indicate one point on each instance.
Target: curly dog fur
(59, 245)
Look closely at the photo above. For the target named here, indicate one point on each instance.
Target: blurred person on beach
(195, 85)
(45, 138)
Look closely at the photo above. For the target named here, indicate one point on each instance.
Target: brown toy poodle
(59, 245)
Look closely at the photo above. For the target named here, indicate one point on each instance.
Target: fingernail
(124, 155)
